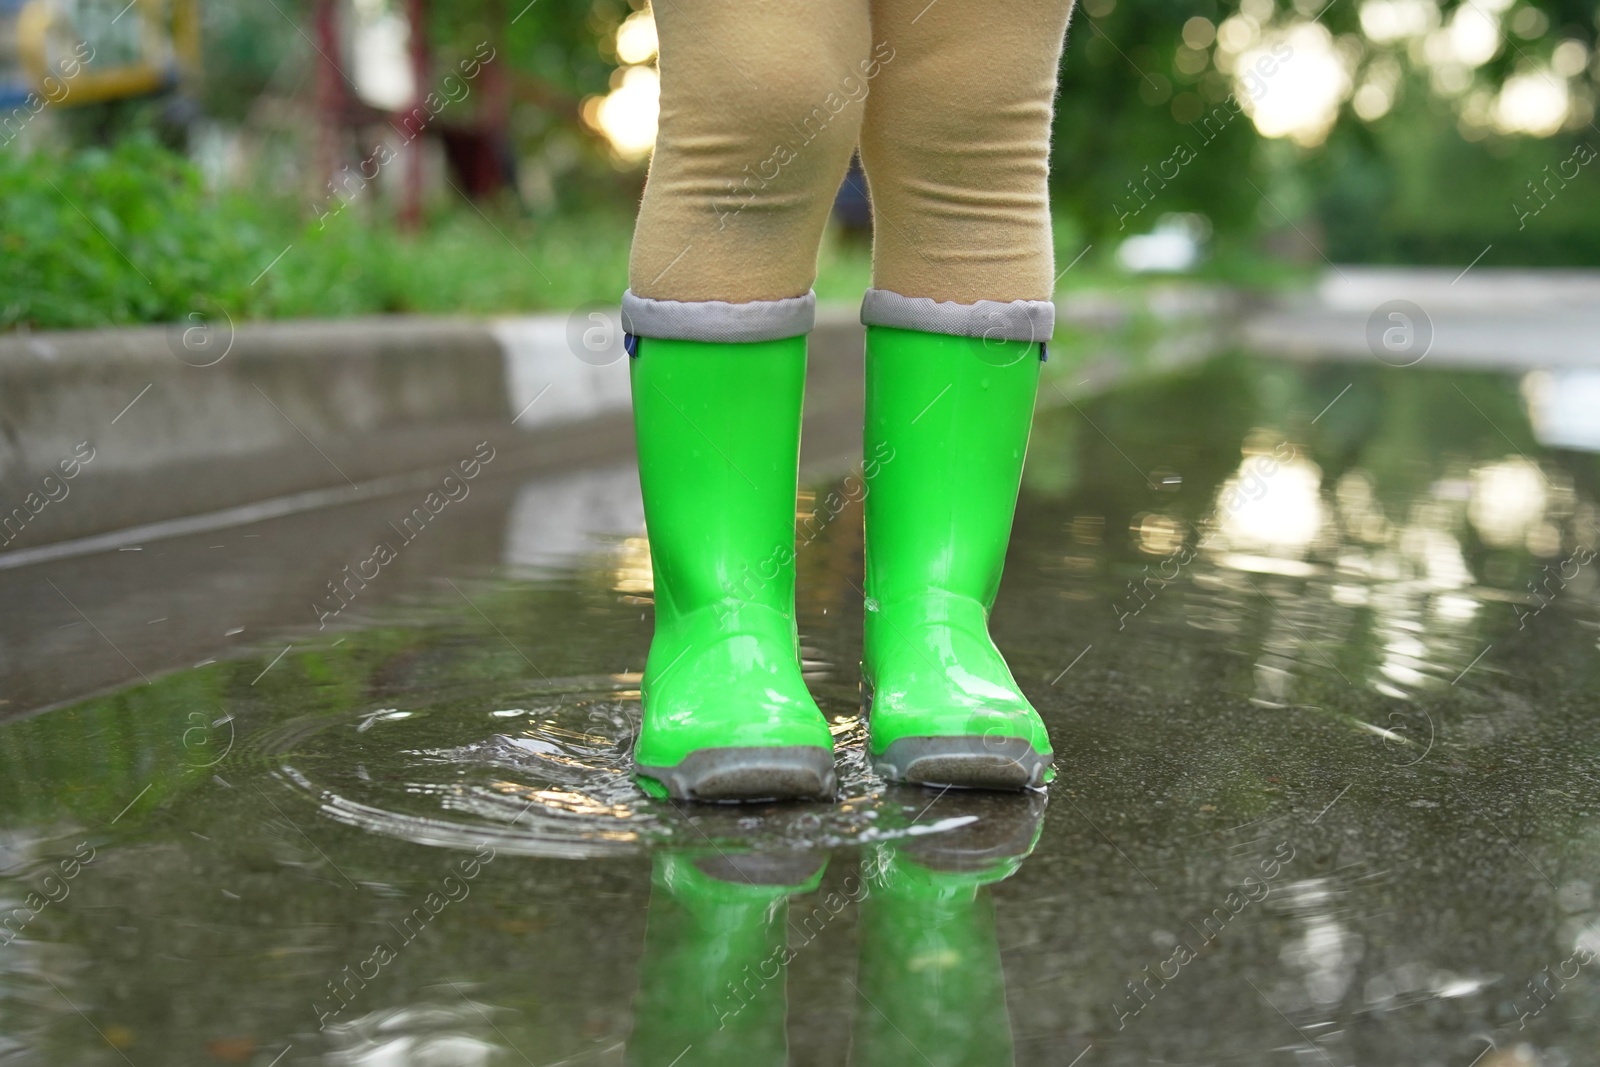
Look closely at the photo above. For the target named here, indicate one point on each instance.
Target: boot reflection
(930, 983)
(715, 955)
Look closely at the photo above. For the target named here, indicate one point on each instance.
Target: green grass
(461, 262)
(130, 235)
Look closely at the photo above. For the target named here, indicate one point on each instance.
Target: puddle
(551, 778)
(1317, 646)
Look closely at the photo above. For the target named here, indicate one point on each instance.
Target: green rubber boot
(948, 420)
(714, 972)
(726, 713)
(932, 989)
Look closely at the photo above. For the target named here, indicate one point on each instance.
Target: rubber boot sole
(968, 761)
(749, 773)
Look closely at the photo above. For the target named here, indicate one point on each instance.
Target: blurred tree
(1444, 115)
(551, 54)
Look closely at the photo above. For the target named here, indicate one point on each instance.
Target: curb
(124, 429)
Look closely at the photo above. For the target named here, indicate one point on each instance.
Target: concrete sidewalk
(1512, 320)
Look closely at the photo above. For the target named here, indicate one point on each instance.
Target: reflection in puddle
(1562, 405)
(929, 986)
(1273, 505)
(553, 520)
(1338, 569)
(422, 1035)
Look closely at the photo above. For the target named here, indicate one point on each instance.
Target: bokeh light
(1293, 84)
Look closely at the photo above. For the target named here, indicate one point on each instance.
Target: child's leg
(760, 106)
(955, 146)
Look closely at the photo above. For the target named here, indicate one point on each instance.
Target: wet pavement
(1316, 644)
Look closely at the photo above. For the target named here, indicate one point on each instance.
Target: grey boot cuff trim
(1018, 320)
(718, 320)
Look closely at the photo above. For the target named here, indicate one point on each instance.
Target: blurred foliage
(1411, 189)
(129, 234)
(1414, 185)
(247, 46)
(125, 235)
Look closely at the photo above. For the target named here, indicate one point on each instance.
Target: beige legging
(762, 103)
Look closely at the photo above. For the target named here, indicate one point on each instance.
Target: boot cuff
(718, 320)
(1018, 320)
